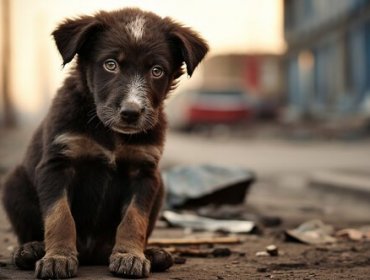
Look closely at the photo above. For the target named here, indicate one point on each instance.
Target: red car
(208, 107)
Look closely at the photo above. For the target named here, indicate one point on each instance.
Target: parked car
(204, 107)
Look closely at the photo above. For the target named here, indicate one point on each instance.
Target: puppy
(89, 189)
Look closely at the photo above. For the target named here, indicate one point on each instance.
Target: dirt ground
(281, 190)
(345, 260)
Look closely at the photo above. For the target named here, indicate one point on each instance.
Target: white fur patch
(136, 28)
(136, 91)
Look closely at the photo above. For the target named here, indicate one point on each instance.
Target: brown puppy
(89, 189)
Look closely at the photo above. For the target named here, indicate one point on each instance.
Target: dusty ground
(284, 169)
(346, 260)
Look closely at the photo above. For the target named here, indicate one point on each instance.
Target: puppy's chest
(79, 146)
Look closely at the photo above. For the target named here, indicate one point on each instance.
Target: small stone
(220, 277)
(272, 250)
(261, 269)
(262, 254)
(235, 262)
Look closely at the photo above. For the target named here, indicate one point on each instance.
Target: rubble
(200, 253)
(238, 212)
(312, 232)
(194, 241)
(221, 252)
(272, 250)
(354, 234)
(199, 185)
(262, 254)
(206, 224)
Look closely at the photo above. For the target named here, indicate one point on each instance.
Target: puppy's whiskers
(108, 115)
(92, 113)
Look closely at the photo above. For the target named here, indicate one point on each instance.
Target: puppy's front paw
(129, 265)
(56, 267)
(28, 254)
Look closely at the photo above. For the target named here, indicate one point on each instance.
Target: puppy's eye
(157, 71)
(111, 65)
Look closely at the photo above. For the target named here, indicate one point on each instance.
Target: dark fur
(84, 191)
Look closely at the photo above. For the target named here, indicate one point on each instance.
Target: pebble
(272, 250)
(262, 254)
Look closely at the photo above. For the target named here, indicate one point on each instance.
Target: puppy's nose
(130, 112)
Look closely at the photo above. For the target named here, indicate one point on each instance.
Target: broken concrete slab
(199, 185)
(195, 222)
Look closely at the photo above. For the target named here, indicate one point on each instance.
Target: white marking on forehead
(136, 28)
(136, 90)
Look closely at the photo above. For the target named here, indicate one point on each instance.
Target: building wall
(328, 56)
(259, 75)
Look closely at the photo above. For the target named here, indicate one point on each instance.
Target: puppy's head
(130, 60)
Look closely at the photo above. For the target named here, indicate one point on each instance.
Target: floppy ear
(71, 35)
(193, 47)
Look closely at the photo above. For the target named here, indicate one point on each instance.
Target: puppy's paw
(28, 254)
(160, 259)
(56, 267)
(129, 265)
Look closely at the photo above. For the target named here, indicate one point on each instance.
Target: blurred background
(287, 62)
(284, 93)
(272, 130)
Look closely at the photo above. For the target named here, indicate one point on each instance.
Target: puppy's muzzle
(131, 112)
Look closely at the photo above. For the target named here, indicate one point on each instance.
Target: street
(284, 169)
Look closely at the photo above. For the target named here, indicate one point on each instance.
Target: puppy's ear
(193, 48)
(71, 35)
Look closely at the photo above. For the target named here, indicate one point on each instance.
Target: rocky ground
(288, 187)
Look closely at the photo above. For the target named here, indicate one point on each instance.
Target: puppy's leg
(22, 207)
(156, 208)
(127, 258)
(60, 260)
(160, 260)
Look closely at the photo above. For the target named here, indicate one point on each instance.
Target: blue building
(328, 56)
